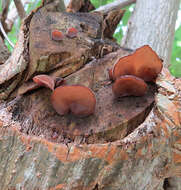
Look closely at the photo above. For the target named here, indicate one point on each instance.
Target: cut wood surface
(123, 116)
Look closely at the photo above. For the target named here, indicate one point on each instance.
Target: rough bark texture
(139, 161)
(121, 155)
(4, 52)
(153, 23)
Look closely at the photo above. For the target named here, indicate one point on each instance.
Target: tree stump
(130, 143)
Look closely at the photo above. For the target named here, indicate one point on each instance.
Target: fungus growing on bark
(129, 85)
(143, 63)
(72, 32)
(80, 100)
(110, 74)
(44, 80)
(57, 35)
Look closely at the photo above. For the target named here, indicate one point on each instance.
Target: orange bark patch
(166, 132)
(124, 155)
(111, 154)
(58, 187)
(100, 152)
(177, 157)
(51, 146)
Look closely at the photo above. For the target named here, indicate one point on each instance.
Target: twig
(5, 35)
(5, 6)
(20, 8)
(115, 5)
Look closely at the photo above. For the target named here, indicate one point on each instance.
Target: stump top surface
(113, 118)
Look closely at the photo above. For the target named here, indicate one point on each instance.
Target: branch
(5, 35)
(119, 4)
(20, 8)
(5, 7)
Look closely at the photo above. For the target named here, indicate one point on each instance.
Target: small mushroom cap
(44, 80)
(143, 63)
(147, 64)
(123, 67)
(72, 32)
(129, 85)
(80, 100)
(57, 35)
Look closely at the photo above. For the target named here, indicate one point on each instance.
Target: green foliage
(98, 3)
(122, 25)
(175, 67)
(13, 35)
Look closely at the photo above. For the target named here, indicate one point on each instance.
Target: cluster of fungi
(57, 35)
(129, 76)
(131, 72)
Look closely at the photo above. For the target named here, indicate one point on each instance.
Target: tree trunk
(133, 143)
(156, 29)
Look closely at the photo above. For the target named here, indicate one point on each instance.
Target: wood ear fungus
(80, 100)
(44, 80)
(72, 32)
(56, 35)
(129, 85)
(143, 63)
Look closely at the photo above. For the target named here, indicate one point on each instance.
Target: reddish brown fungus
(72, 32)
(57, 35)
(143, 63)
(80, 100)
(129, 85)
(110, 72)
(44, 80)
(123, 67)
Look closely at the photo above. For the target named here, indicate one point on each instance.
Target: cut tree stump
(130, 143)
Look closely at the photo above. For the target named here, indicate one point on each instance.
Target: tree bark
(109, 150)
(153, 23)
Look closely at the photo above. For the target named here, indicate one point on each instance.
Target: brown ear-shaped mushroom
(143, 63)
(57, 35)
(72, 32)
(44, 80)
(129, 85)
(123, 67)
(80, 100)
(147, 64)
